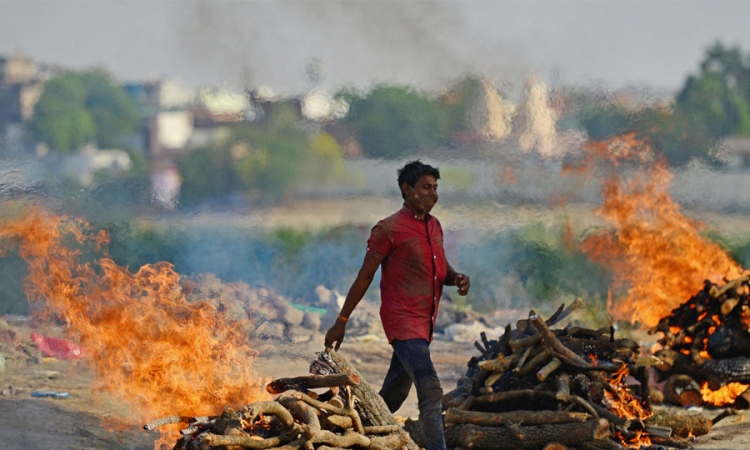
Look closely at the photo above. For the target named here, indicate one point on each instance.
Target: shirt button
(434, 257)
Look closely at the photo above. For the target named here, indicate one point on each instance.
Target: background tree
(79, 107)
(392, 120)
(60, 117)
(719, 96)
(267, 157)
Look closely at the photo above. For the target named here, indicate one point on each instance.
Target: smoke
(538, 121)
(424, 43)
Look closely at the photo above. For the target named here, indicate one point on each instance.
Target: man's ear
(406, 189)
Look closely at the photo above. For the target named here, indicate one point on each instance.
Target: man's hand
(336, 335)
(463, 284)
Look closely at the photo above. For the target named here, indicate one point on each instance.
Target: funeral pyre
(536, 387)
(705, 347)
(349, 414)
(658, 257)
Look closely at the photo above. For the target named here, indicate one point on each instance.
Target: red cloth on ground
(56, 348)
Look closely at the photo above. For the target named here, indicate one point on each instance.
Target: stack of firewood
(298, 418)
(538, 388)
(706, 339)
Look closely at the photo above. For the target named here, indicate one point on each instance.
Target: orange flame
(622, 402)
(723, 396)
(654, 251)
(149, 346)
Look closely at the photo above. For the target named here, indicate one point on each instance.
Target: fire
(723, 396)
(623, 404)
(654, 251)
(148, 345)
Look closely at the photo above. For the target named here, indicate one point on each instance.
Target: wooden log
(547, 370)
(520, 394)
(682, 390)
(371, 407)
(390, 441)
(455, 416)
(565, 313)
(216, 440)
(534, 436)
(304, 414)
(383, 429)
(273, 408)
(525, 342)
(562, 382)
(373, 411)
(540, 359)
(455, 401)
(499, 364)
(336, 421)
(356, 422)
(729, 369)
(682, 425)
(349, 439)
(311, 382)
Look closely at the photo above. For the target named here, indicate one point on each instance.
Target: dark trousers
(411, 364)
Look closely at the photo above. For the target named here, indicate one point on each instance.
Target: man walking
(409, 247)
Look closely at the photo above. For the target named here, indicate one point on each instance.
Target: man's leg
(414, 355)
(396, 385)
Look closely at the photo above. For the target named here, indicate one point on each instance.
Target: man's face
(423, 196)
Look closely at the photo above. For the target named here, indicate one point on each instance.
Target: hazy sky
(422, 43)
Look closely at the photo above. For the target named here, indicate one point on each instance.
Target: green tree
(113, 112)
(719, 96)
(60, 117)
(673, 134)
(265, 158)
(602, 121)
(392, 120)
(78, 107)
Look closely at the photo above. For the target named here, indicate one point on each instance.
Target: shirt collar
(409, 213)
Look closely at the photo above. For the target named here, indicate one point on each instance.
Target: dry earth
(87, 421)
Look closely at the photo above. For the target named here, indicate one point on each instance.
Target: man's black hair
(413, 171)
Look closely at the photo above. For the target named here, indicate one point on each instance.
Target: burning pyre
(705, 347)
(659, 258)
(535, 386)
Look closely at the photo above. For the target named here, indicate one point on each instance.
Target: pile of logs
(538, 388)
(706, 340)
(348, 414)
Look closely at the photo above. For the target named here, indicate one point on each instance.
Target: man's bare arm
(358, 289)
(460, 280)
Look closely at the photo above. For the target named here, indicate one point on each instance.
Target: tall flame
(654, 251)
(149, 346)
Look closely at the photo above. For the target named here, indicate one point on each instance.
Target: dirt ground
(86, 421)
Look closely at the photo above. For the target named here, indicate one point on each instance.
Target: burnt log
(729, 369)
(533, 436)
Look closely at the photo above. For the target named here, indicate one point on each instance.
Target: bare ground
(87, 421)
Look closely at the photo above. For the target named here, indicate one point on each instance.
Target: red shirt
(413, 270)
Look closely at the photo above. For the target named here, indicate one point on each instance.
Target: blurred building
(20, 90)
(734, 151)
